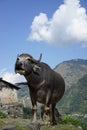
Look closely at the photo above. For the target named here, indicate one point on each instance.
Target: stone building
(8, 99)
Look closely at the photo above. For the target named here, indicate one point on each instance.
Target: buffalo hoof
(53, 123)
(60, 121)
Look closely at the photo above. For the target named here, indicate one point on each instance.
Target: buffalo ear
(36, 68)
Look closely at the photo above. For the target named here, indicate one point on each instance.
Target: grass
(61, 127)
(19, 123)
(69, 123)
(75, 122)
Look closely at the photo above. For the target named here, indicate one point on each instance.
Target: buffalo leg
(47, 114)
(47, 106)
(53, 114)
(42, 112)
(58, 115)
(34, 109)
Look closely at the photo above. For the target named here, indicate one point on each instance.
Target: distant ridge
(72, 70)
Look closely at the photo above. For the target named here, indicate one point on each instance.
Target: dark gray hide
(45, 85)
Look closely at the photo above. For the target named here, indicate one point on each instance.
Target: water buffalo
(45, 85)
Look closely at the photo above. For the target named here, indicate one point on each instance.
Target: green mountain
(74, 73)
(75, 97)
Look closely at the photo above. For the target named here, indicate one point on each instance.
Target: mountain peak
(72, 70)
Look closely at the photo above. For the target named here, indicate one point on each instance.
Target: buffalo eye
(17, 58)
(28, 58)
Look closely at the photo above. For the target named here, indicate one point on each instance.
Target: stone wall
(8, 95)
(12, 109)
(9, 104)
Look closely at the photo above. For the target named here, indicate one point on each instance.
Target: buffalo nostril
(18, 65)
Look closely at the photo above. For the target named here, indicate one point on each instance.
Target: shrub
(26, 116)
(2, 115)
(74, 121)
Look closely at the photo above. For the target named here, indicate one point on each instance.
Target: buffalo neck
(34, 79)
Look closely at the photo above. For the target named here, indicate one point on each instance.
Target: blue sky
(55, 28)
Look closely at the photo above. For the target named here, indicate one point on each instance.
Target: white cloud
(10, 77)
(67, 25)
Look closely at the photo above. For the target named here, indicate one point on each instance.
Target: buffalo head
(25, 64)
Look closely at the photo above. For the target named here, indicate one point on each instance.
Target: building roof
(9, 84)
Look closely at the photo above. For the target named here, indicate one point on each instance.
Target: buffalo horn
(40, 57)
(36, 61)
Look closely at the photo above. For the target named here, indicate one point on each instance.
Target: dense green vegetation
(74, 121)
